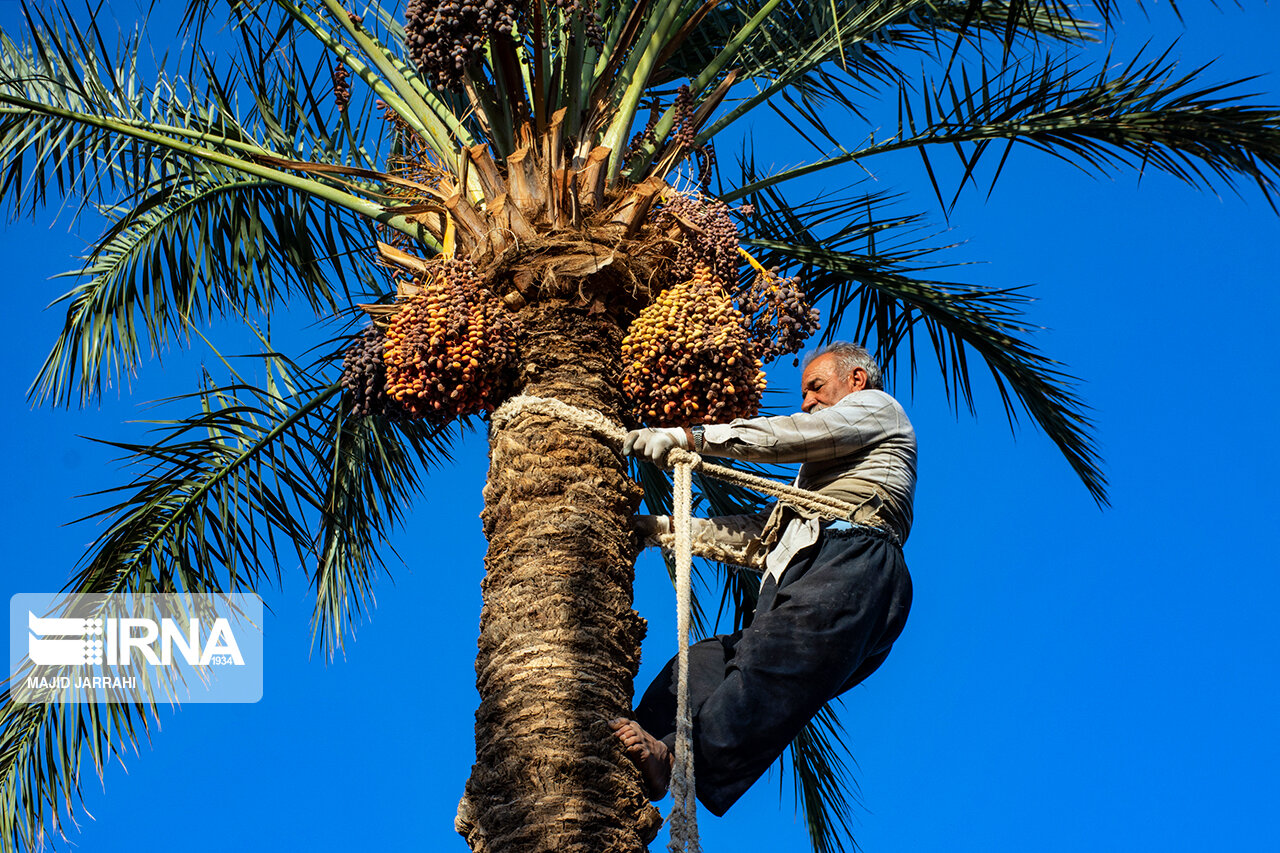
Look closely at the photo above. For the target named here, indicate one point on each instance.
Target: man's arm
(730, 538)
(861, 419)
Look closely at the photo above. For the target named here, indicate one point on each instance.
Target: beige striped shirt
(862, 450)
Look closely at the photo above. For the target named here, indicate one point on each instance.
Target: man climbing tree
(475, 211)
(835, 594)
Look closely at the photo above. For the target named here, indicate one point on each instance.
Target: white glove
(654, 444)
(650, 527)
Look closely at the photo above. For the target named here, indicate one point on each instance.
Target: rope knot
(678, 456)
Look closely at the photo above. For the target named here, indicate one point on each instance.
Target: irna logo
(56, 641)
(177, 647)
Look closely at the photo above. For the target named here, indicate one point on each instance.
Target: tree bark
(559, 641)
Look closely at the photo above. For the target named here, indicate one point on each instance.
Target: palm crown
(542, 143)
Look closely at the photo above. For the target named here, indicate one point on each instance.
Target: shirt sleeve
(722, 531)
(861, 419)
(728, 531)
(733, 539)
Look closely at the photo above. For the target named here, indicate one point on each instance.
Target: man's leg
(708, 663)
(649, 739)
(842, 604)
(830, 625)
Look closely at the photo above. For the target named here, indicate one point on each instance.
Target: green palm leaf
(256, 476)
(184, 251)
(822, 781)
(195, 520)
(1146, 115)
(826, 54)
(42, 747)
(878, 289)
(90, 128)
(375, 469)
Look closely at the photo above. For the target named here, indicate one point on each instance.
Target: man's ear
(858, 379)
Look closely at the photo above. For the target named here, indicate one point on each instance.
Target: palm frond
(792, 55)
(811, 35)
(1012, 20)
(864, 41)
(822, 54)
(186, 249)
(1145, 115)
(375, 468)
(260, 475)
(880, 291)
(42, 747)
(290, 107)
(822, 781)
(60, 68)
(1018, 12)
(83, 127)
(376, 62)
(197, 519)
(217, 491)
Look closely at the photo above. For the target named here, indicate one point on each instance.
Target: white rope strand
(827, 507)
(684, 803)
(588, 420)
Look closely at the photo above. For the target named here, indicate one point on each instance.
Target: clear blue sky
(1071, 679)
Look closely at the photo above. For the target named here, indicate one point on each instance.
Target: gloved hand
(650, 527)
(654, 444)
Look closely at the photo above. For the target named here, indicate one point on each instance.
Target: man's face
(823, 386)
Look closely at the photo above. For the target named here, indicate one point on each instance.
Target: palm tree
(332, 148)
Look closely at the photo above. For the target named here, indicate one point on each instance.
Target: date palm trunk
(559, 641)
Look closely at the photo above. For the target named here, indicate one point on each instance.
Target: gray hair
(848, 357)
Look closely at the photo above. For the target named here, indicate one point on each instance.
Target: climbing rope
(683, 817)
(684, 805)
(801, 499)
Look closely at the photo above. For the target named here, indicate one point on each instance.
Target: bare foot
(647, 753)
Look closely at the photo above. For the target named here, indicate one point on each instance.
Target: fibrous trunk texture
(559, 641)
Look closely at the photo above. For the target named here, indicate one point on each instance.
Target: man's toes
(649, 754)
(637, 749)
(633, 743)
(626, 730)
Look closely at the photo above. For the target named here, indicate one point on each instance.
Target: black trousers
(830, 624)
